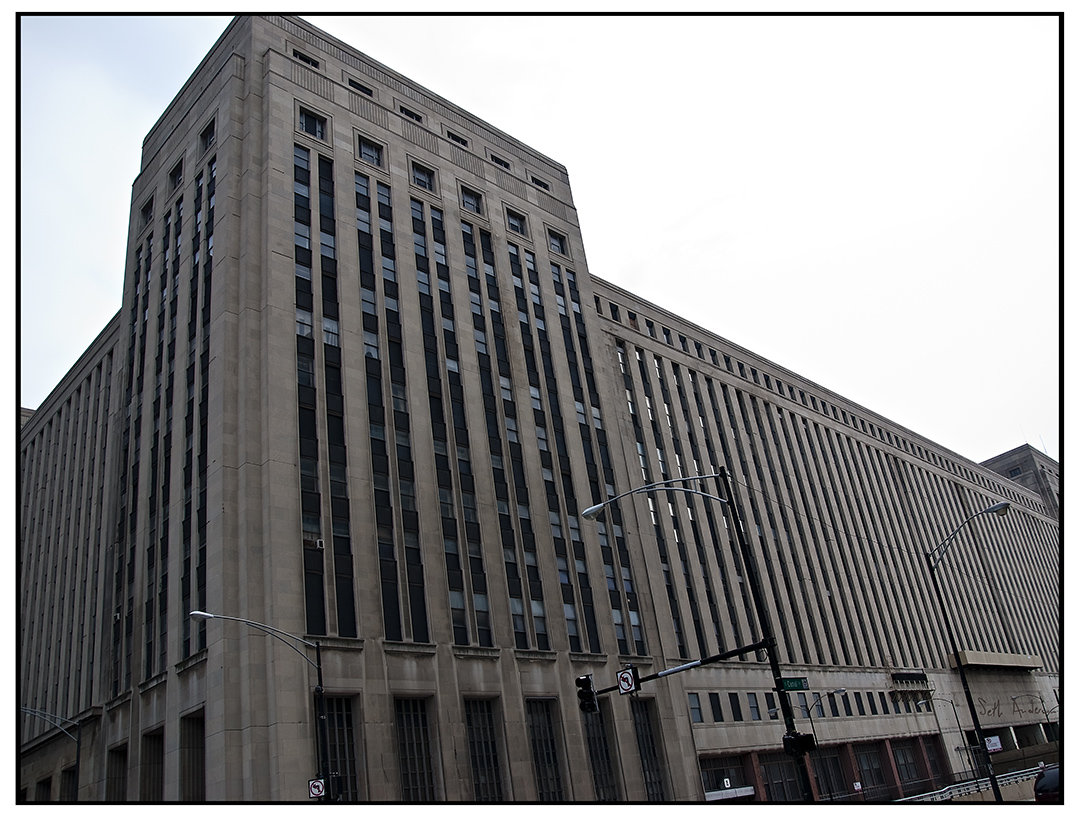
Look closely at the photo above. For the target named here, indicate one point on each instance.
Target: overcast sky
(870, 202)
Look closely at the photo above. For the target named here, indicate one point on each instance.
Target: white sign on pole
(316, 787)
(627, 681)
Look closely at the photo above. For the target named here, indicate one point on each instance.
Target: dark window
(176, 177)
(719, 773)
(645, 733)
(461, 140)
(770, 705)
(545, 752)
(695, 708)
(314, 63)
(411, 114)
(755, 713)
(371, 152)
(116, 774)
(483, 750)
(423, 177)
(870, 773)
(206, 138)
(152, 768)
(717, 709)
(516, 222)
(69, 785)
(192, 759)
(360, 87)
(471, 200)
(557, 242)
(540, 183)
(43, 790)
(736, 707)
(500, 161)
(603, 769)
(414, 750)
(342, 740)
(313, 124)
(780, 777)
(859, 703)
(1015, 472)
(828, 773)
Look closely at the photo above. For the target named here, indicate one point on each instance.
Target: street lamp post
(764, 622)
(933, 559)
(320, 698)
(55, 720)
(809, 709)
(966, 747)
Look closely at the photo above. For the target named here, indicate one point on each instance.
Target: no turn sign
(316, 787)
(628, 680)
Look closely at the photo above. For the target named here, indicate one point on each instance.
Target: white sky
(870, 202)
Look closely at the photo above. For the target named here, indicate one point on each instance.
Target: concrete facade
(1033, 469)
(363, 386)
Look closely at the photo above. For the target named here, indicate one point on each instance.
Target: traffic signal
(797, 744)
(586, 694)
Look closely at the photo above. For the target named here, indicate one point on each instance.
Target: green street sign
(794, 684)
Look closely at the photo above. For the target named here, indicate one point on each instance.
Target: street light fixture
(288, 639)
(809, 709)
(933, 559)
(963, 738)
(792, 736)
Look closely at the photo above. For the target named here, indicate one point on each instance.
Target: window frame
(302, 112)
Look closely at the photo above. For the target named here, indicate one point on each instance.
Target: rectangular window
(370, 152)
(483, 750)
(413, 115)
(152, 768)
(69, 786)
(717, 709)
(719, 773)
(300, 55)
(192, 759)
(206, 138)
(414, 750)
(603, 769)
(176, 177)
(755, 713)
(342, 740)
(500, 161)
(313, 124)
(557, 242)
(770, 705)
(516, 222)
(541, 724)
(304, 323)
(780, 777)
(859, 704)
(360, 87)
(461, 140)
(540, 183)
(695, 708)
(116, 774)
(645, 732)
(471, 201)
(423, 177)
(736, 707)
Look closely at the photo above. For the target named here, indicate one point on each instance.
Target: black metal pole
(984, 752)
(767, 636)
(324, 736)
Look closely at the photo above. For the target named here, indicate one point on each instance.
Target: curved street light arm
(280, 635)
(51, 719)
(667, 485)
(998, 508)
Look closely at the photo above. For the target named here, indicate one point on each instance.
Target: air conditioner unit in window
(320, 544)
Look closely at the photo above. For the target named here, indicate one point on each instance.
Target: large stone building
(360, 389)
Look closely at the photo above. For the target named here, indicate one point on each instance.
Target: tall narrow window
(342, 740)
(645, 733)
(116, 774)
(483, 749)
(603, 769)
(541, 723)
(313, 124)
(414, 750)
(193, 759)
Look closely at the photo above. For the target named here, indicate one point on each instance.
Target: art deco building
(361, 387)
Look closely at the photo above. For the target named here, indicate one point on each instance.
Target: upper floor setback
(299, 53)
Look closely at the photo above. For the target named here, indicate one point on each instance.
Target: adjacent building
(360, 389)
